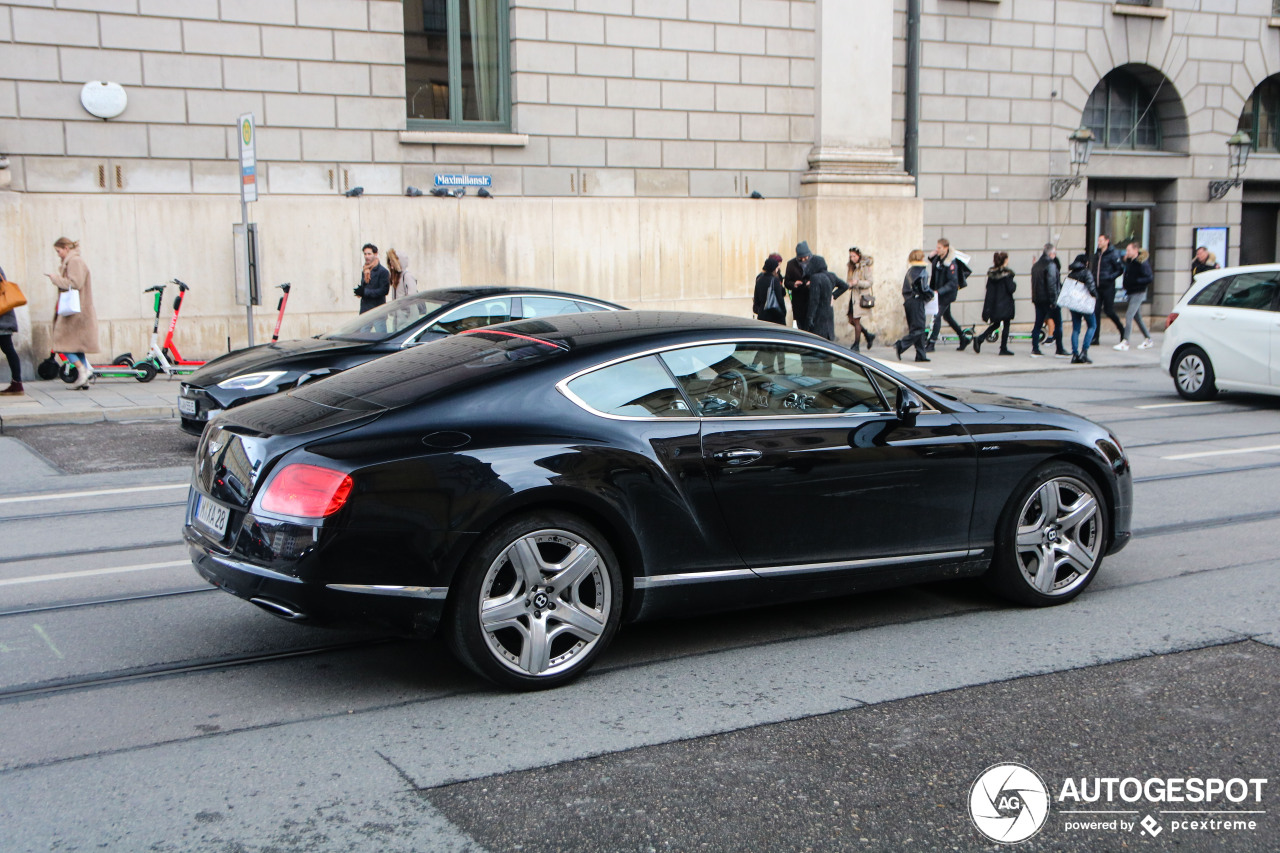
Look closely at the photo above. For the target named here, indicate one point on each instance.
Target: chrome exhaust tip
(275, 608)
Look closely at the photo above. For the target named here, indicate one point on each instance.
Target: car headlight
(252, 381)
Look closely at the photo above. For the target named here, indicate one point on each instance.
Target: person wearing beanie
(796, 282)
(767, 282)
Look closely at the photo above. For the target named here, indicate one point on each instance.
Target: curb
(87, 416)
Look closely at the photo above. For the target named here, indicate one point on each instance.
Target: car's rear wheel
(537, 602)
(1193, 375)
(1051, 539)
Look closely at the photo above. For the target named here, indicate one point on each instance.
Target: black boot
(977, 343)
(871, 338)
(964, 342)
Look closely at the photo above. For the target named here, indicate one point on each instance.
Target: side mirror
(909, 405)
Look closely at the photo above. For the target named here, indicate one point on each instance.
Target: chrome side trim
(806, 568)
(284, 611)
(693, 577)
(438, 593)
(809, 568)
(252, 569)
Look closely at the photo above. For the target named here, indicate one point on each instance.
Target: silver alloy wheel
(1059, 536)
(545, 602)
(1190, 374)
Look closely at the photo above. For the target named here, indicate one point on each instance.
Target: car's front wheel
(1193, 375)
(537, 602)
(1051, 539)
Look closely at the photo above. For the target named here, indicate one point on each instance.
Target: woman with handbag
(861, 297)
(9, 328)
(1080, 296)
(769, 303)
(998, 307)
(75, 323)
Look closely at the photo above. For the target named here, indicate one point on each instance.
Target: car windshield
(421, 372)
(386, 320)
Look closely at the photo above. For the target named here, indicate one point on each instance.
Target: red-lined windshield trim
(555, 344)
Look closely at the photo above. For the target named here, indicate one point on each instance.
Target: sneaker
(1122, 346)
(14, 390)
(1035, 353)
(1147, 344)
(1063, 354)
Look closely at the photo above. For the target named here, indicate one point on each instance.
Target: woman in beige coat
(75, 334)
(860, 283)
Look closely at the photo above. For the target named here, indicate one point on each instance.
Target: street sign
(248, 159)
(464, 180)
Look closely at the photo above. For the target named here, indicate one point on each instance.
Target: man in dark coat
(824, 288)
(375, 280)
(1046, 281)
(945, 279)
(796, 282)
(1107, 265)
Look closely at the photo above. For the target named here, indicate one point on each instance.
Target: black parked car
(527, 487)
(429, 315)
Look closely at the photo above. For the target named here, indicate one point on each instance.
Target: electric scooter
(284, 300)
(69, 372)
(166, 358)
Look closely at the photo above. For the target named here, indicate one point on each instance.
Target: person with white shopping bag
(1079, 295)
(75, 323)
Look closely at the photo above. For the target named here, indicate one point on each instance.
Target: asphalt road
(141, 710)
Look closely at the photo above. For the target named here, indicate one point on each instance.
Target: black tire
(1193, 376)
(125, 360)
(1062, 516)
(69, 372)
(146, 371)
(47, 369)
(506, 651)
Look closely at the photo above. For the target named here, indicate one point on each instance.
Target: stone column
(852, 153)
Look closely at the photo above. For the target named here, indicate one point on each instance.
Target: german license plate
(187, 407)
(211, 516)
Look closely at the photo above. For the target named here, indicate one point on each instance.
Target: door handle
(737, 457)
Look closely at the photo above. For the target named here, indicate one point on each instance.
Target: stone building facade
(629, 140)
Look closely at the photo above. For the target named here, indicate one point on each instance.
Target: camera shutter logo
(1009, 803)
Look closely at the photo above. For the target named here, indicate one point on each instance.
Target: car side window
(1209, 294)
(483, 312)
(639, 388)
(585, 307)
(761, 379)
(1254, 290)
(546, 306)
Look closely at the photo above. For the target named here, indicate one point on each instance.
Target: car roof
(599, 329)
(461, 293)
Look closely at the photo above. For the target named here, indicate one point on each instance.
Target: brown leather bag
(11, 296)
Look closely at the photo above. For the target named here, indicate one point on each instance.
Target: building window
(455, 64)
(1121, 112)
(1261, 114)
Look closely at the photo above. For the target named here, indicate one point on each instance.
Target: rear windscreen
(421, 372)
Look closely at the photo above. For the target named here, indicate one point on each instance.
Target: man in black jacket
(1046, 281)
(796, 281)
(375, 280)
(1107, 265)
(945, 279)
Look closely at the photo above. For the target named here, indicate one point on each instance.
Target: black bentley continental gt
(526, 488)
(428, 315)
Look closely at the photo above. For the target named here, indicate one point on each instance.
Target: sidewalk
(53, 402)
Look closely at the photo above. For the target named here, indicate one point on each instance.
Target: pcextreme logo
(1009, 803)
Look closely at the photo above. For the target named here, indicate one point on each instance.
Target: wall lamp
(1238, 148)
(1081, 147)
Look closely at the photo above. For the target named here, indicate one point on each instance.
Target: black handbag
(867, 300)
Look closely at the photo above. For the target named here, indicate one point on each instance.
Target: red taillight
(307, 490)
(1172, 317)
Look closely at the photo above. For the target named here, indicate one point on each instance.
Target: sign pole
(248, 193)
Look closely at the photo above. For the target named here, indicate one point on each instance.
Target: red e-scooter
(166, 357)
(284, 300)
